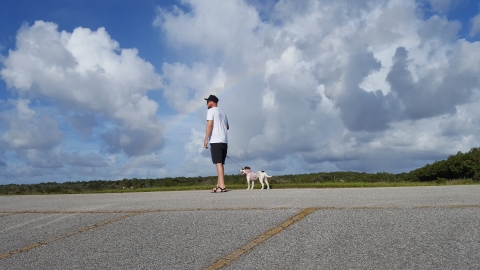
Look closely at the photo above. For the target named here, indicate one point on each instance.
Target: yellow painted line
(32, 246)
(232, 257)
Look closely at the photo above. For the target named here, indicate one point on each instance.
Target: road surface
(355, 228)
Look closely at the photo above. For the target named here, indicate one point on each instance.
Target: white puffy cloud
(440, 90)
(441, 6)
(197, 159)
(37, 144)
(475, 26)
(364, 85)
(83, 123)
(216, 29)
(86, 72)
(26, 129)
(82, 109)
(185, 94)
(438, 28)
(20, 172)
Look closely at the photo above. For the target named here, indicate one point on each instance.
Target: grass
(300, 185)
(274, 185)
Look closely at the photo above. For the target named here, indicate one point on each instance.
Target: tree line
(459, 166)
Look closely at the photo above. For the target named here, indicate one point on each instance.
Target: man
(216, 134)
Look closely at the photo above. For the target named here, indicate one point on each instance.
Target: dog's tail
(267, 174)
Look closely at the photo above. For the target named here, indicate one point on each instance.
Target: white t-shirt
(220, 121)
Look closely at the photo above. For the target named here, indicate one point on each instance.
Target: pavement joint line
(232, 257)
(458, 206)
(142, 211)
(41, 243)
(463, 206)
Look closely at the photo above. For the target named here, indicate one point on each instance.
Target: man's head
(212, 101)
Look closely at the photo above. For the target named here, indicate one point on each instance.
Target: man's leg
(221, 175)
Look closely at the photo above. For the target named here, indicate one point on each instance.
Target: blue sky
(94, 90)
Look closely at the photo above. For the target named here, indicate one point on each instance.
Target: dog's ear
(247, 168)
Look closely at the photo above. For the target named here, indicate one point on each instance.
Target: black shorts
(219, 152)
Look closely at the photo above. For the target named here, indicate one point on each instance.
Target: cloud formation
(83, 83)
(475, 26)
(315, 85)
(86, 72)
(350, 85)
(25, 129)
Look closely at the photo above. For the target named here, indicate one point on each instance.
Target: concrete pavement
(368, 228)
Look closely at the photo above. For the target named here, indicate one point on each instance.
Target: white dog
(251, 176)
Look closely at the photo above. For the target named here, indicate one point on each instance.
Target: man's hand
(205, 143)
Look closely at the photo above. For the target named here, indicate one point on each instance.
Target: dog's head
(244, 170)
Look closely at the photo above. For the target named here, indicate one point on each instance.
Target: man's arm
(208, 132)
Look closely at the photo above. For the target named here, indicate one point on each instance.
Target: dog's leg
(261, 180)
(266, 180)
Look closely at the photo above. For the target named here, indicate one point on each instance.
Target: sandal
(215, 190)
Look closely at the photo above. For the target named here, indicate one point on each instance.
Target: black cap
(212, 98)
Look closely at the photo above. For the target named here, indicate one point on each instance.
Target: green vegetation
(461, 165)
(460, 169)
